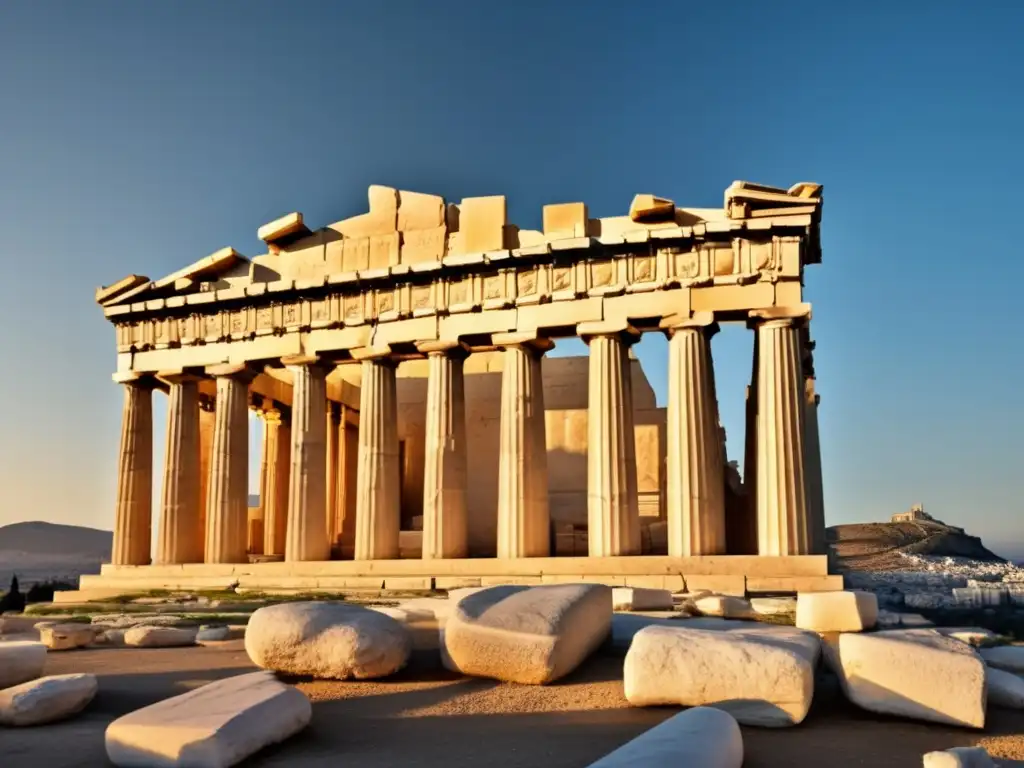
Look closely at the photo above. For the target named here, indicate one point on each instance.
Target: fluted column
(782, 514)
(612, 507)
(815, 486)
(181, 534)
(695, 506)
(348, 470)
(333, 465)
(523, 516)
(275, 469)
(444, 471)
(207, 420)
(227, 495)
(307, 496)
(133, 514)
(377, 489)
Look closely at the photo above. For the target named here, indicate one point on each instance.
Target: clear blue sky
(137, 137)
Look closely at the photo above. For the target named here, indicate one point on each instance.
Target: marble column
(523, 514)
(181, 534)
(332, 468)
(228, 492)
(612, 506)
(348, 468)
(274, 477)
(307, 496)
(133, 515)
(377, 489)
(444, 470)
(815, 487)
(695, 507)
(782, 515)
(207, 419)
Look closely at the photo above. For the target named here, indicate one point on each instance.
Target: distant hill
(54, 540)
(877, 546)
(40, 551)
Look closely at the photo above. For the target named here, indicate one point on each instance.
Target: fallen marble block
(46, 699)
(65, 637)
(773, 606)
(532, 635)
(159, 637)
(128, 620)
(701, 737)
(764, 679)
(1005, 689)
(1006, 657)
(725, 607)
(21, 661)
(848, 611)
(327, 640)
(641, 599)
(915, 673)
(959, 757)
(215, 726)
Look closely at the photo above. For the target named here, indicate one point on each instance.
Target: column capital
(307, 361)
(529, 340)
(449, 348)
(796, 316)
(238, 371)
(621, 328)
(378, 353)
(179, 376)
(135, 378)
(699, 321)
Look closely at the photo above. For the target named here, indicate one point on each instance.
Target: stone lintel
(522, 338)
(607, 328)
(288, 226)
(293, 360)
(449, 346)
(371, 353)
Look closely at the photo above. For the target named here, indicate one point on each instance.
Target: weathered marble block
(21, 661)
(849, 611)
(764, 679)
(702, 736)
(531, 635)
(46, 700)
(215, 726)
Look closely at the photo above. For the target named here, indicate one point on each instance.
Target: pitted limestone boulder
(725, 607)
(531, 635)
(849, 611)
(702, 736)
(46, 700)
(21, 661)
(215, 726)
(760, 678)
(159, 637)
(916, 673)
(327, 640)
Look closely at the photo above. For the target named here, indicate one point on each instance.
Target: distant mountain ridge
(53, 540)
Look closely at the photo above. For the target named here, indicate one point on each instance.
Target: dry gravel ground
(428, 718)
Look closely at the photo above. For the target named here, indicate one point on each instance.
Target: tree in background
(13, 601)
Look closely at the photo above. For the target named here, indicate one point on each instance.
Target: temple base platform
(723, 574)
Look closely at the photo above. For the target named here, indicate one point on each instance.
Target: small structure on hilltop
(397, 359)
(916, 514)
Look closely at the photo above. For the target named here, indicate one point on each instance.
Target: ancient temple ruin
(415, 436)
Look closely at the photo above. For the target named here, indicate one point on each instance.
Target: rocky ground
(430, 718)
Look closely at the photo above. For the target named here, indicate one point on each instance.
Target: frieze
(508, 282)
